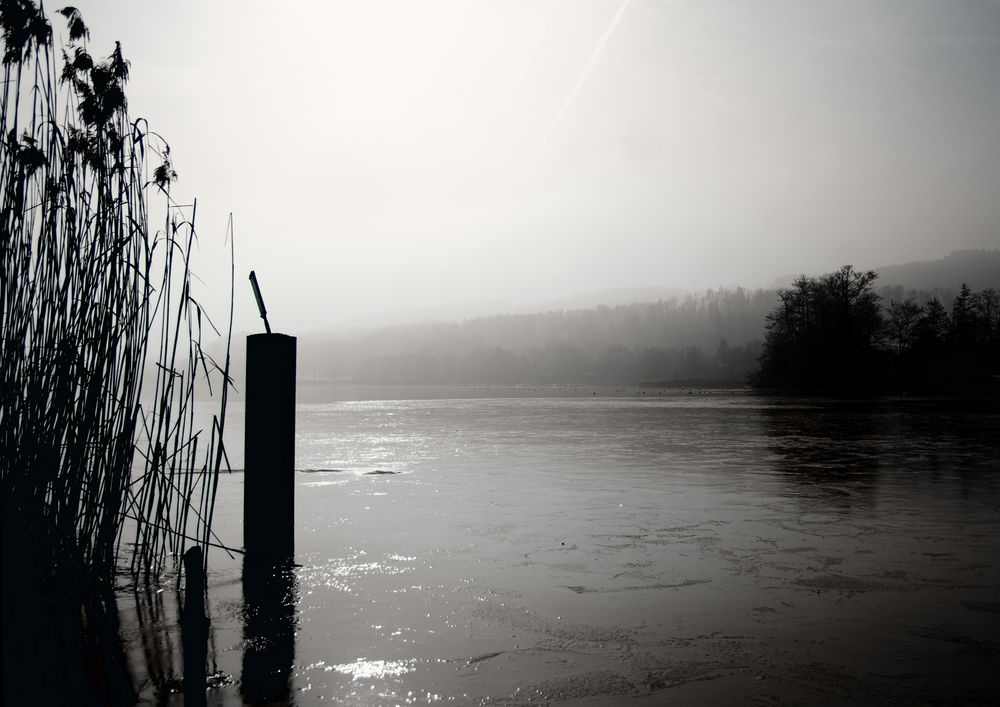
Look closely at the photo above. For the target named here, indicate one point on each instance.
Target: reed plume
(101, 354)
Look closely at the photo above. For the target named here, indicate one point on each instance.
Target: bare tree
(901, 325)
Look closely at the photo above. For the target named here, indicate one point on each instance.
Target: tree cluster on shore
(834, 333)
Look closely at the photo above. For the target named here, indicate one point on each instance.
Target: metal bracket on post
(260, 300)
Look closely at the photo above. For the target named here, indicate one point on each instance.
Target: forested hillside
(716, 334)
(711, 335)
(978, 269)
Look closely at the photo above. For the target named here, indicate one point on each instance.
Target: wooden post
(269, 447)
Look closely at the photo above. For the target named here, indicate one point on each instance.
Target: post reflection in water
(270, 593)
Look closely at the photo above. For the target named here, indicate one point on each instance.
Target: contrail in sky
(588, 69)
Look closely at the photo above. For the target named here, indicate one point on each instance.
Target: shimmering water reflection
(700, 549)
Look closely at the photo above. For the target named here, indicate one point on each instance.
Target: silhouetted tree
(901, 325)
(932, 329)
(852, 311)
(987, 307)
(830, 334)
(963, 318)
(824, 333)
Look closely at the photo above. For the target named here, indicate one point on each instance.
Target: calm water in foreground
(615, 549)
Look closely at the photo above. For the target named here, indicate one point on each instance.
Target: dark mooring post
(269, 447)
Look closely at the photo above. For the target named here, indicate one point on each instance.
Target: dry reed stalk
(101, 351)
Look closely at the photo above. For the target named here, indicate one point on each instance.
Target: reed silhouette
(101, 350)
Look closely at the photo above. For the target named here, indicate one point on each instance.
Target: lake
(511, 546)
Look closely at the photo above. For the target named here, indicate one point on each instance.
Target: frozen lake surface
(713, 548)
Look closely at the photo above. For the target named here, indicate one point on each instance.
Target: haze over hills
(979, 269)
(552, 346)
(606, 298)
(472, 310)
(611, 336)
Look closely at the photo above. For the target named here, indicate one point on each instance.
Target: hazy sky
(385, 156)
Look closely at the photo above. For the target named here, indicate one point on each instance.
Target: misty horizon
(980, 267)
(410, 157)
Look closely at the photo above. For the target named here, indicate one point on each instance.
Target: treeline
(715, 334)
(835, 333)
(823, 332)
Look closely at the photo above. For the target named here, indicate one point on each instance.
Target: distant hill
(614, 336)
(979, 269)
(711, 335)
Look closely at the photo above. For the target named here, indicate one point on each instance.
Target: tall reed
(101, 353)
